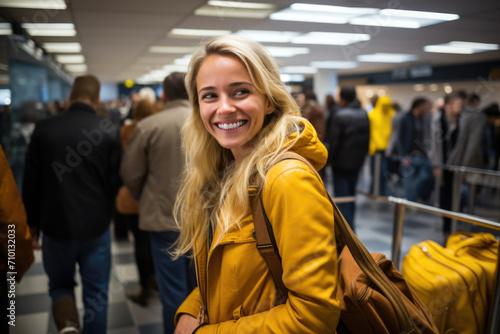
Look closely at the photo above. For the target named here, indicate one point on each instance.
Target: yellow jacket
(380, 124)
(236, 282)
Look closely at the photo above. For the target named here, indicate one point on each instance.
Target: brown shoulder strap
(343, 233)
(267, 245)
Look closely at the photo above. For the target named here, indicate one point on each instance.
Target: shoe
(65, 315)
(153, 282)
(70, 328)
(139, 297)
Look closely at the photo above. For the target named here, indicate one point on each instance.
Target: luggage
(481, 248)
(456, 282)
(374, 297)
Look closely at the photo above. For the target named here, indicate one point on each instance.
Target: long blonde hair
(212, 180)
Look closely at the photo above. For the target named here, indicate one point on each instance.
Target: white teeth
(231, 126)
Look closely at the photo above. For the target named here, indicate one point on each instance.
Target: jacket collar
(81, 107)
(177, 103)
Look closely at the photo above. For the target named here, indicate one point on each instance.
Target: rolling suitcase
(454, 288)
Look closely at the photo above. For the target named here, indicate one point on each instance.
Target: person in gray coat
(151, 167)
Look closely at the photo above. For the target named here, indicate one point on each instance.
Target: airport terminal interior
(400, 49)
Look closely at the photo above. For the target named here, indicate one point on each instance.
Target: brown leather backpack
(374, 296)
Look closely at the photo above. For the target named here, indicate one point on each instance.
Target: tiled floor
(374, 226)
(124, 317)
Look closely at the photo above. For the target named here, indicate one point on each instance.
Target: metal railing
(400, 204)
(399, 211)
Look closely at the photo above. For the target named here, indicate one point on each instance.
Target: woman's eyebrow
(233, 84)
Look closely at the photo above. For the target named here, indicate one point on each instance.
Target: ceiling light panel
(299, 70)
(184, 61)
(171, 49)
(264, 36)
(459, 47)
(198, 32)
(238, 4)
(36, 4)
(62, 47)
(236, 9)
(320, 13)
(285, 52)
(50, 29)
(76, 68)
(292, 77)
(397, 18)
(175, 68)
(387, 58)
(330, 38)
(5, 29)
(335, 64)
(70, 59)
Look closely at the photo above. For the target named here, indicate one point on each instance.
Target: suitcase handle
(476, 241)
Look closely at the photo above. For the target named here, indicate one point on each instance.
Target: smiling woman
(243, 121)
(231, 108)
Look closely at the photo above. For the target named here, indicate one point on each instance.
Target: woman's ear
(269, 107)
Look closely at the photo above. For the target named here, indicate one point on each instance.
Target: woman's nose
(226, 105)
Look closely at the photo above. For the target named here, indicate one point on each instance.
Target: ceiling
(116, 34)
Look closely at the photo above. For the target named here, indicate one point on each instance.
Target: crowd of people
(179, 172)
(413, 147)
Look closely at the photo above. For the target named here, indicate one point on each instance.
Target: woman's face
(230, 106)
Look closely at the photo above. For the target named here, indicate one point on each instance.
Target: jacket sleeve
(437, 138)
(190, 306)
(32, 177)
(13, 222)
(134, 164)
(404, 141)
(306, 242)
(334, 135)
(114, 163)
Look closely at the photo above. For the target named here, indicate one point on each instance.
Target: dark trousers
(93, 256)
(345, 185)
(142, 251)
(176, 278)
(445, 198)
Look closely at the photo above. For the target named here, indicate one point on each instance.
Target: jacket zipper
(205, 301)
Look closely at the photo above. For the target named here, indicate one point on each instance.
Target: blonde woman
(243, 120)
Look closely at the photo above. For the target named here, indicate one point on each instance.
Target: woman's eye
(208, 96)
(241, 92)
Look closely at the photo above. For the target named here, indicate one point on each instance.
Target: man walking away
(151, 167)
(70, 182)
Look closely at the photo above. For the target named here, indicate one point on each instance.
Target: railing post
(397, 232)
(472, 198)
(495, 307)
(455, 196)
(376, 174)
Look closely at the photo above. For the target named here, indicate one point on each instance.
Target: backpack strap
(343, 233)
(266, 244)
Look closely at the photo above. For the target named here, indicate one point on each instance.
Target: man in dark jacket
(413, 145)
(70, 182)
(348, 145)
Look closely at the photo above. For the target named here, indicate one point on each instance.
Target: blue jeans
(345, 185)
(176, 279)
(418, 178)
(93, 256)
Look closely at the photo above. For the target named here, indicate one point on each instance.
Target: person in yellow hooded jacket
(243, 120)
(380, 132)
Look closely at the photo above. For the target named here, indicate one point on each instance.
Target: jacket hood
(384, 105)
(309, 146)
